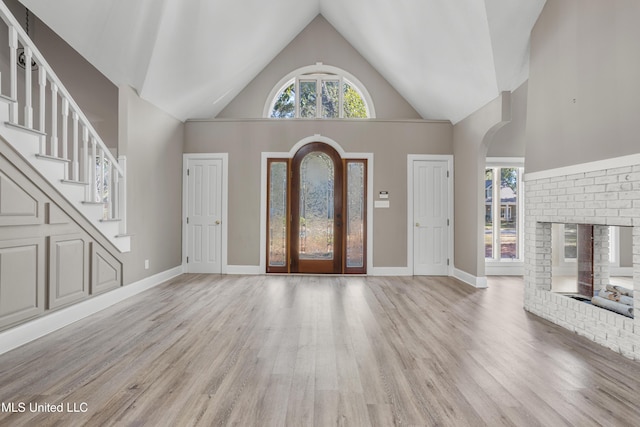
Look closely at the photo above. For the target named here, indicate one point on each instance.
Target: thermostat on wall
(384, 195)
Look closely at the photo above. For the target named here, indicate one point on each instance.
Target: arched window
(321, 92)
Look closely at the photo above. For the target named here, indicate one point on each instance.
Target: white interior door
(204, 215)
(430, 216)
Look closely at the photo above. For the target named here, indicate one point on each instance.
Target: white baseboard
(244, 269)
(476, 282)
(504, 269)
(22, 334)
(391, 271)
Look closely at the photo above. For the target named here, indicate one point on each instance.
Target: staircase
(45, 125)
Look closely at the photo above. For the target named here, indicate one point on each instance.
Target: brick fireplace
(600, 194)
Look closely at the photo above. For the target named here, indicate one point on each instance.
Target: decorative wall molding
(44, 325)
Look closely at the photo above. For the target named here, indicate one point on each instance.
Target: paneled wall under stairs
(47, 259)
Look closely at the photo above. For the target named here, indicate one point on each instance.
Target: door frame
(289, 155)
(411, 158)
(225, 203)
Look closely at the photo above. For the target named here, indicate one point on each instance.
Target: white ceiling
(191, 57)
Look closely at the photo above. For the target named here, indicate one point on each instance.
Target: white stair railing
(88, 159)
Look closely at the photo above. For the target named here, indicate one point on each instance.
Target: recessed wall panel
(21, 280)
(68, 269)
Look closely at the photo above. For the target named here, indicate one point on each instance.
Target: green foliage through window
(354, 106)
(285, 105)
(320, 97)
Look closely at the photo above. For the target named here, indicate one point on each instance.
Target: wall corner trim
(476, 282)
(37, 328)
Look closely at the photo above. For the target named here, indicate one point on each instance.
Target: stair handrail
(12, 23)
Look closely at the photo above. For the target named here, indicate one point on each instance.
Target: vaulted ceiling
(192, 57)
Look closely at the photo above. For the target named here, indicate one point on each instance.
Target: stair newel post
(92, 170)
(65, 134)
(75, 166)
(42, 82)
(122, 195)
(28, 89)
(54, 120)
(13, 73)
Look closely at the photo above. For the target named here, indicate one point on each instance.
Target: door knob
(217, 222)
(417, 224)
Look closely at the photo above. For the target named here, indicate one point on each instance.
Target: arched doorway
(316, 212)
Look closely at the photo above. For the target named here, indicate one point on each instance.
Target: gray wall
(471, 139)
(92, 91)
(397, 131)
(583, 84)
(153, 143)
(389, 141)
(509, 141)
(319, 42)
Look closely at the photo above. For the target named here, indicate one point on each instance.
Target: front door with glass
(316, 208)
(316, 212)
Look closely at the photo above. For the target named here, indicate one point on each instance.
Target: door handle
(417, 224)
(217, 222)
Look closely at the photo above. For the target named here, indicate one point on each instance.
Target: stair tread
(55, 159)
(110, 220)
(70, 181)
(27, 129)
(92, 203)
(123, 235)
(7, 98)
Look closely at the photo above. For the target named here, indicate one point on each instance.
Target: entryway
(316, 212)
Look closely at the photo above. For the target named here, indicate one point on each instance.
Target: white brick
(608, 179)
(629, 195)
(607, 196)
(621, 186)
(585, 182)
(584, 197)
(596, 188)
(617, 171)
(606, 212)
(575, 190)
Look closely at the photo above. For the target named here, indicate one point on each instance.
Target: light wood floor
(302, 350)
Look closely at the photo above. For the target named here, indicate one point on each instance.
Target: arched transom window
(319, 92)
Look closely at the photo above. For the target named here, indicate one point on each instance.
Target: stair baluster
(42, 82)
(13, 73)
(54, 120)
(65, 134)
(92, 169)
(28, 105)
(74, 164)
